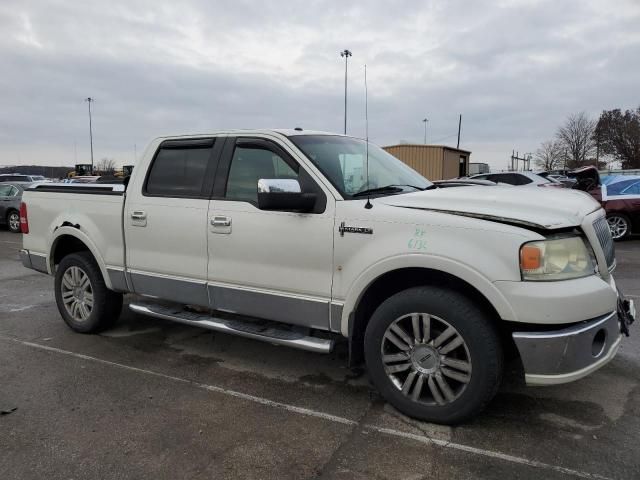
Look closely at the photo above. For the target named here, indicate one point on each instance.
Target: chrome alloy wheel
(419, 349)
(77, 294)
(14, 222)
(618, 226)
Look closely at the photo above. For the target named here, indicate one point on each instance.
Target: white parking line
(317, 414)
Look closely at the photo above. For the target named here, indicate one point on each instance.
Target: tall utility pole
(90, 100)
(528, 156)
(459, 125)
(425, 121)
(346, 54)
(516, 159)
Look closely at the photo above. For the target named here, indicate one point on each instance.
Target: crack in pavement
(329, 467)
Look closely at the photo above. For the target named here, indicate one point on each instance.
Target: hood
(587, 177)
(546, 208)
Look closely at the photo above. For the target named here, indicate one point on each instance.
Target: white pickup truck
(281, 236)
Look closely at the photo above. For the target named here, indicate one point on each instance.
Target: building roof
(422, 145)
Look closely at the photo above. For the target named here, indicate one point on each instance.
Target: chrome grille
(603, 233)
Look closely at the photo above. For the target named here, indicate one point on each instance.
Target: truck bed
(93, 209)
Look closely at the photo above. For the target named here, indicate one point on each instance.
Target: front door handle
(221, 221)
(139, 218)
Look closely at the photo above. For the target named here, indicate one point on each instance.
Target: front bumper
(568, 354)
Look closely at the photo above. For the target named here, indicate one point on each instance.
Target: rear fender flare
(84, 238)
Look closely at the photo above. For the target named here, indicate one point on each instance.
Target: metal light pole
(425, 121)
(346, 54)
(90, 100)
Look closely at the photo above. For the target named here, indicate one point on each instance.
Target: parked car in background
(10, 197)
(621, 201)
(620, 198)
(19, 177)
(526, 179)
(83, 179)
(109, 179)
(557, 177)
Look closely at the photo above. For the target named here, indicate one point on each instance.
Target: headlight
(556, 259)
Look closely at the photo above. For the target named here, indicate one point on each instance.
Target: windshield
(342, 161)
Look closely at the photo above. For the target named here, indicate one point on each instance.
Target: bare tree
(576, 136)
(550, 155)
(106, 166)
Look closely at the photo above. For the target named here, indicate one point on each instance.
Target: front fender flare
(443, 264)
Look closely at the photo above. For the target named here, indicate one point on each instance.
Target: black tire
(481, 345)
(12, 225)
(622, 222)
(106, 304)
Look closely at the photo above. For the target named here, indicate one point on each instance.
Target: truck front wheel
(83, 299)
(433, 354)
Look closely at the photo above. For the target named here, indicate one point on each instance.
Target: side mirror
(284, 194)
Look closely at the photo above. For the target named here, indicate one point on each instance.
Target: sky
(514, 70)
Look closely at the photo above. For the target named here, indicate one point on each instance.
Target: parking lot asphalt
(154, 399)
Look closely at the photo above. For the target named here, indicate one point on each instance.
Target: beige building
(435, 162)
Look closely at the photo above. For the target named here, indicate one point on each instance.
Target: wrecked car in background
(619, 195)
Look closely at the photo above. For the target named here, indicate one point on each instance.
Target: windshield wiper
(368, 191)
(385, 189)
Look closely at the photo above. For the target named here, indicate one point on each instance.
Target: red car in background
(620, 198)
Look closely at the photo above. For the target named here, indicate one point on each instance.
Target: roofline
(286, 132)
(427, 145)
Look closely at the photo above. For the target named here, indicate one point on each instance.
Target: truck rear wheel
(433, 355)
(83, 299)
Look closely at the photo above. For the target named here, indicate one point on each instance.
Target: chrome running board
(271, 332)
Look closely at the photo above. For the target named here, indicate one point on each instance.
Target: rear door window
(624, 187)
(633, 189)
(180, 171)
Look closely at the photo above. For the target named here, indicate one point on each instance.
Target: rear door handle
(220, 225)
(221, 221)
(138, 215)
